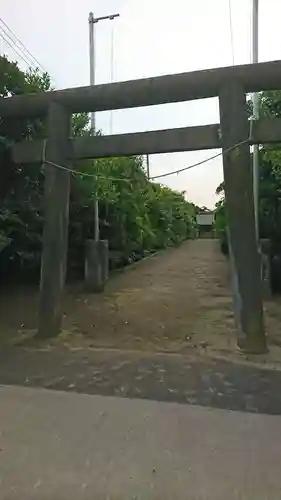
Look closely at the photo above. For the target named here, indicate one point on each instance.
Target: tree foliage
(136, 216)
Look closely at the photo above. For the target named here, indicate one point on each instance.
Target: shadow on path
(160, 377)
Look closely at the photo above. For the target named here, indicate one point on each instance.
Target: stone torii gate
(230, 84)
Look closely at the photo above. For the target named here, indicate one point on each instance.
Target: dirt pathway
(167, 302)
(173, 301)
(177, 301)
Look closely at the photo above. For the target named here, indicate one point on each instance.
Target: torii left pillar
(55, 233)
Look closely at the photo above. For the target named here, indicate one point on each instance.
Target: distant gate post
(55, 234)
(245, 258)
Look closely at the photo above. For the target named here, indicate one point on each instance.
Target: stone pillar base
(265, 268)
(96, 265)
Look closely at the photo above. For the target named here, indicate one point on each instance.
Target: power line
(14, 49)
(23, 45)
(251, 41)
(218, 154)
(32, 60)
(231, 32)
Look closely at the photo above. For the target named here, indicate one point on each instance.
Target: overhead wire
(14, 49)
(250, 39)
(16, 44)
(231, 32)
(222, 153)
(22, 44)
(197, 164)
(87, 174)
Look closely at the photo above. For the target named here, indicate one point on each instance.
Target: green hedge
(136, 216)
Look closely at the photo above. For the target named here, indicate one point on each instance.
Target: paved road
(181, 379)
(56, 445)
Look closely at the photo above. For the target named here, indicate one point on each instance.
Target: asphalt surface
(159, 377)
(60, 446)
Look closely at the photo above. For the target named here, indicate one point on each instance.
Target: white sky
(151, 37)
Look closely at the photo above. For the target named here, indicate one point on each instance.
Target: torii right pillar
(244, 254)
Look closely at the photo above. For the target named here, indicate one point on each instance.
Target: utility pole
(111, 76)
(255, 49)
(147, 167)
(92, 21)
